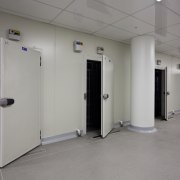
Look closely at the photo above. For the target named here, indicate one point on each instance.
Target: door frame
(84, 89)
(166, 89)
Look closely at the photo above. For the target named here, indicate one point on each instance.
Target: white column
(142, 84)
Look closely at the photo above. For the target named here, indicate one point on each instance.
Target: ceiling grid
(119, 20)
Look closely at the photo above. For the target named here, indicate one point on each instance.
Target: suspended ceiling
(118, 20)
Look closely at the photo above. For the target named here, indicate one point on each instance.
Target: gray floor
(123, 155)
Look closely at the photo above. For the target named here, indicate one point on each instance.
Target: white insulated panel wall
(62, 69)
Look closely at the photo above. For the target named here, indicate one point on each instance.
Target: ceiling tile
(133, 25)
(30, 8)
(148, 15)
(174, 30)
(174, 5)
(78, 22)
(128, 6)
(127, 41)
(115, 33)
(56, 3)
(163, 38)
(95, 10)
(175, 43)
(174, 52)
(163, 47)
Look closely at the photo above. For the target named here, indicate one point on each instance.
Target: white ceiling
(119, 20)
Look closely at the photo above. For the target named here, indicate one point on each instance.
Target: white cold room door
(20, 80)
(107, 91)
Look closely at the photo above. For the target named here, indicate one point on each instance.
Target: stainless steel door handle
(105, 96)
(4, 102)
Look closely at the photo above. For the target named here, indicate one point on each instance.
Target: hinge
(40, 61)
(85, 96)
(40, 134)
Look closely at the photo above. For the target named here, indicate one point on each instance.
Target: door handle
(105, 96)
(4, 102)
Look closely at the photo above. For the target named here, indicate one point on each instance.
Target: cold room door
(107, 96)
(20, 80)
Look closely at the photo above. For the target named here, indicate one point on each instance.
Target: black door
(158, 90)
(160, 93)
(93, 95)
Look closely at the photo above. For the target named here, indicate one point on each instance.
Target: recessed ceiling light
(158, 0)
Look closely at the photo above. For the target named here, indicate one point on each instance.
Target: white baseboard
(58, 138)
(177, 112)
(71, 135)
